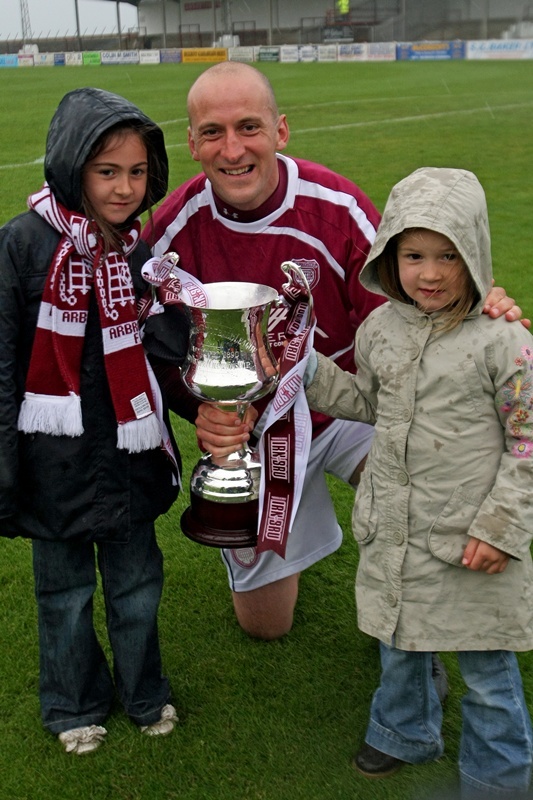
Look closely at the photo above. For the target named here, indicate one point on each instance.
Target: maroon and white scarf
(52, 399)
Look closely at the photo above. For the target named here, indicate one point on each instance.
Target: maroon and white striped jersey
(322, 221)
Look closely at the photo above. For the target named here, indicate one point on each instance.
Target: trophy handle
(291, 269)
(164, 271)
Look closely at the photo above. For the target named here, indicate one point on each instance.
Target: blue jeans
(76, 686)
(495, 754)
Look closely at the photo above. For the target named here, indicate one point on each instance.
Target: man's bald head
(227, 72)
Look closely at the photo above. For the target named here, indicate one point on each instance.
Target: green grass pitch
(280, 720)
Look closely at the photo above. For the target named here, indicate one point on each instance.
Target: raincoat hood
(80, 119)
(449, 201)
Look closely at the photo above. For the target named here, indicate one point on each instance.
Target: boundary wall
(362, 51)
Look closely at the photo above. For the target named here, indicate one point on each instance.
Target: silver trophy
(231, 365)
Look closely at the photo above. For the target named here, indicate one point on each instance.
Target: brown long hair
(389, 278)
(111, 234)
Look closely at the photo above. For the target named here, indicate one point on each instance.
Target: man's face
(234, 134)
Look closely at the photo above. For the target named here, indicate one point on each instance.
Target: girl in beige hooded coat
(444, 514)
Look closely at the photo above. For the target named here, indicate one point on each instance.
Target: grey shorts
(316, 532)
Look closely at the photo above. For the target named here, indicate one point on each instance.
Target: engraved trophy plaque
(230, 364)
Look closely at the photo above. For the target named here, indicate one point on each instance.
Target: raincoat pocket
(365, 513)
(448, 535)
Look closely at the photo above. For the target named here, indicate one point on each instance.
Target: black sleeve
(178, 397)
(166, 336)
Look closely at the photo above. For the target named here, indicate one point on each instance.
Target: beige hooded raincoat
(453, 452)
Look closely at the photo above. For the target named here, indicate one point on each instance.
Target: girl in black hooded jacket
(87, 458)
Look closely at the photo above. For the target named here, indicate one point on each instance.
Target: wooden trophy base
(213, 524)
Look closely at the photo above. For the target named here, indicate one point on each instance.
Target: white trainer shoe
(82, 740)
(165, 725)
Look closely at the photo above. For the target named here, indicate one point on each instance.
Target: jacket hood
(80, 119)
(449, 201)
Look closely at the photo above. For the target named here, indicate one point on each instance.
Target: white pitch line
(33, 163)
(486, 109)
(357, 100)
(173, 121)
(396, 120)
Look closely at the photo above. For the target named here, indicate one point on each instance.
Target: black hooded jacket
(59, 487)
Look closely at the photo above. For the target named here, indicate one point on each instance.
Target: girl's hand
(221, 432)
(497, 303)
(482, 557)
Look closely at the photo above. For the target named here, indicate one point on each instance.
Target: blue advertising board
(425, 51)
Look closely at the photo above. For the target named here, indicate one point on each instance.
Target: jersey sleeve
(361, 239)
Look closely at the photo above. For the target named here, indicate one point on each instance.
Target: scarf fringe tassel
(139, 434)
(57, 416)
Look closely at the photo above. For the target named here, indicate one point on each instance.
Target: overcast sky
(50, 17)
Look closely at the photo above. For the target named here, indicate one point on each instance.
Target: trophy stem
(240, 407)
(244, 450)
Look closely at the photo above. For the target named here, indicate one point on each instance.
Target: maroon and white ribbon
(286, 439)
(172, 286)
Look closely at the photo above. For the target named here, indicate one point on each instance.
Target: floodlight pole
(118, 25)
(179, 22)
(25, 19)
(78, 24)
(402, 18)
(485, 20)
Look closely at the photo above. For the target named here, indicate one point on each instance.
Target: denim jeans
(495, 754)
(76, 686)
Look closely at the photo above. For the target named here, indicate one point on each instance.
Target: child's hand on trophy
(222, 432)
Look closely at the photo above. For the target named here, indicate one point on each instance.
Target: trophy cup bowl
(229, 364)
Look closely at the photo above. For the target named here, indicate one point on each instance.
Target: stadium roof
(131, 2)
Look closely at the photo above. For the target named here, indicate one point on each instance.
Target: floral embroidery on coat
(515, 401)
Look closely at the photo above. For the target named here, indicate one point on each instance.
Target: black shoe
(440, 678)
(374, 764)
